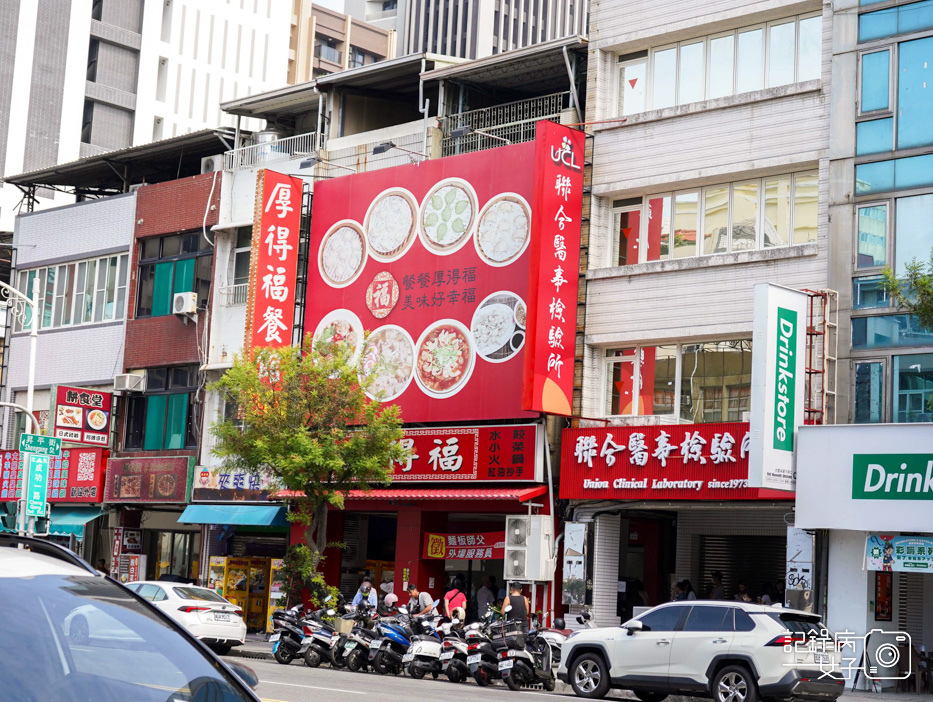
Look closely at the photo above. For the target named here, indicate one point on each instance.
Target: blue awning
(243, 515)
(69, 520)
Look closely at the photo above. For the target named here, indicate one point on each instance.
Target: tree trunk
(316, 533)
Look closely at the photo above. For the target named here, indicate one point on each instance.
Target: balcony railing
(234, 295)
(362, 159)
(328, 53)
(514, 121)
(258, 155)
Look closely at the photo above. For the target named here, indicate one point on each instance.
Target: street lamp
(314, 160)
(466, 130)
(17, 304)
(389, 145)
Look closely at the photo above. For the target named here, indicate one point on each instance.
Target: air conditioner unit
(209, 164)
(529, 548)
(185, 303)
(130, 382)
(137, 186)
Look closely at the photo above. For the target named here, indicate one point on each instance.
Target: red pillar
(409, 547)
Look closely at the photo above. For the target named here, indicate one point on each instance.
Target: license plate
(307, 640)
(350, 645)
(275, 637)
(447, 655)
(408, 657)
(221, 617)
(821, 658)
(506, 665)
(475, 658)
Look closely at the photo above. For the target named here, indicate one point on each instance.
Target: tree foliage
(914, 291)
(305, 419)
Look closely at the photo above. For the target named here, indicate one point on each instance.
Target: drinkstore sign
(892, 476)
(659, 462)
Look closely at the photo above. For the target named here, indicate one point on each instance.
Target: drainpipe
(423, 107)
(573, 85)
(320, 118)
(236, 134)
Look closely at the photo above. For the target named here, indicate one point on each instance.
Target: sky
(331, 4)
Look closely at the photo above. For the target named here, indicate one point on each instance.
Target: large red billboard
(433, 260)
(659, 462)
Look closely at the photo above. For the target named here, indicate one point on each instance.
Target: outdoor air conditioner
(209, 164)
(529, 548)
(137, 186)
(130, 382)
(185, 303)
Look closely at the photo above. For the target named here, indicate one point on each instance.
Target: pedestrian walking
(718, 592)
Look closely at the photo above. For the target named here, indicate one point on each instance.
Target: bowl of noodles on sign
(444, 358)
(388, 362)
(339, 328)
(342, 255)
(448, 213)
(391, 224)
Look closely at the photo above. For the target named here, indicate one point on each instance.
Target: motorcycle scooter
(423, 656)
(287, 634)
(394, 639)
(482, 659)
(524, 659)
(454, 653)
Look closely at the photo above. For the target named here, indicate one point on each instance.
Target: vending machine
(276, 589)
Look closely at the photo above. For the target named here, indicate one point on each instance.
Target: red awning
(522, 494)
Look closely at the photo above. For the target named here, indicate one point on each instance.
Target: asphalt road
(298, 683)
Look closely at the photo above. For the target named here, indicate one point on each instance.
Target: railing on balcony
(328, 53)
(271, 151)
(514, 121)
(234, 295)
(361, 157)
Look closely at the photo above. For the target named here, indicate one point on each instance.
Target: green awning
(242, 515)
(70, 520)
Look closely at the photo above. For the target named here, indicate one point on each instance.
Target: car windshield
(801, 624)
(198, 593)
(72, 638)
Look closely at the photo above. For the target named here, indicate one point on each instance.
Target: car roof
(752, 607)
(20, 563)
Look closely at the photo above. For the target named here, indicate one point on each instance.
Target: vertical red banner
(275, 260)
(555, 266)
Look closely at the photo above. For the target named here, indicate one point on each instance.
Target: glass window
(188, 268)
(659, 228)
(244, 237)
(874, 137)
(874, 177)
(876, 25)
(706, 369)
(777, 212)
(780, 54)
(913, 383)
(664, 78)
(904, 19)
(912, 240)
(241, 267)
(154, 439)
(750, 61)
(745, 216)
(913, 172)
(691, 84)
(721, 66)
(809, 49)
(869, 392)
(685, 224)
(658, 376)
(709, 618)
(135, 423)
(739, 398)
(121, 287)
(621, 387)
(626, 228)
(869, 293)
(171, 246)
(632, 84)
(663, 619)
(914, 97)
(806, 207)
(716, 220)
(915, 17)
(872, 236)
(889, 331)
(875, 81)
(48, 297)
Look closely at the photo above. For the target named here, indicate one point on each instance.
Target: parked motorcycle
(316, 644)
(287, 634)
(524, 659)
(454, 652)
(482, 658)
(424, 654)
(356, 648)
(392, 643)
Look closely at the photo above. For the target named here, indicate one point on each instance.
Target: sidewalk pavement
(257, 646)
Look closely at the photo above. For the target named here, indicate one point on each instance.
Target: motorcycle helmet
(459, 613)
(365, 587)
(391, 600)
(559, 623)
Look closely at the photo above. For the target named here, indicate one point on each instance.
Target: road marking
(311, 687)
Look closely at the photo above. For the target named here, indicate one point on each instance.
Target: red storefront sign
(433, 259)
(82, 416)
(555, 268)
(75, 476)
(477, 454)
(274, 266)
(482, 546)
(149, 479)
(659, 462)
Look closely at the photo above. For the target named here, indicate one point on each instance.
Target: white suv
(730, 651)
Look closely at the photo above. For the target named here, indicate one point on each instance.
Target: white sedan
(208, 616)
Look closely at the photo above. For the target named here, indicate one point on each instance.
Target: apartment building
(82, 77)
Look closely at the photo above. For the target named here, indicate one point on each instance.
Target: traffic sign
(37, 485)
(41, 445)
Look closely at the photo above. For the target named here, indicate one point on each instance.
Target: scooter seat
(562, 632)
(424, 637)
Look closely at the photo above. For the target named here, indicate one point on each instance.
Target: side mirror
(454, 621)
(328, 598)
(244, 673)
(436, 602)
(330, 613)
(403, 609)
(632, 626)
(474, 626)
(507, 608)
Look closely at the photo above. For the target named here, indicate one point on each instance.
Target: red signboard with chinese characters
(507, 453)
(75, 476)
(274, 262)
(555, 268)
(160, 479)
(81, 415)
(483, 546)
(659, 462)
(434, 260)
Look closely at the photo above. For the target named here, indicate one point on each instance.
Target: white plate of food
(342, 255)
(504, 229)
(496, 331)
(341, 327)
(444, 358)
(391, 223)
(389, 362)
(66, 416)
(448, 215)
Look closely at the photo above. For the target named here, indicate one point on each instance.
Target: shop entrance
(757, 562)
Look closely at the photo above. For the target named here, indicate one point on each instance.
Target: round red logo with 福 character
(382, 295)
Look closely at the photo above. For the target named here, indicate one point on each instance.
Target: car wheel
(589, 676)
(221, 649)
(649, 696)
(79, 631)
(734, 684)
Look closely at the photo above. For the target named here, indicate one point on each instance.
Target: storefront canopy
(521, 494)
(242, 515)
(70, 520)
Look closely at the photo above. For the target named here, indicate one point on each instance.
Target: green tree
(913, 292)
(305, 419)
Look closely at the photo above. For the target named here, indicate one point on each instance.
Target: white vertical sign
(778, 373)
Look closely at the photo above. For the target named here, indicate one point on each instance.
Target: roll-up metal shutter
(239, 544)
(753, 560)
(910, 604)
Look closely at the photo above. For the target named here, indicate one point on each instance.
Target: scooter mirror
(507, 608)
(454, 621)
(436, 602)
(474, 626)
(403, 609)
(328, 598)
(330, 613)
